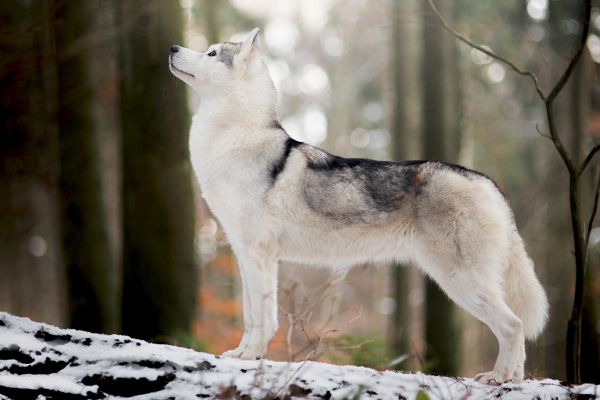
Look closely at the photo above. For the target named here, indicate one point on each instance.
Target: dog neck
(251, 106)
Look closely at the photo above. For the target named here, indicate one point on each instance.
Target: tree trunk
(400, 343)
(86, 246)
(441, 333)
(31, 265)
(159, 283)
(574, 324)
(580, 108)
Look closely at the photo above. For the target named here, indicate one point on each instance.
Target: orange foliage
(218, 338)
(224, 261)
(214, 305)
(222, 325)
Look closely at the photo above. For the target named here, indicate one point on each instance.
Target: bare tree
(400, 318)
(31, 265)
(159, 275)
(441, 328)
(580, 233)
(85, 237)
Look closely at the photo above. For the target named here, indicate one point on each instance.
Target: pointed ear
(250, 44)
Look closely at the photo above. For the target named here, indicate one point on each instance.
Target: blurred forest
(103, 227)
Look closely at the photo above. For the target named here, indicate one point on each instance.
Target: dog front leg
(259, 281)
(247, 314)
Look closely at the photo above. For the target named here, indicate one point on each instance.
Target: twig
(587, 160)
(555, 91)
(488, 52)
(542, 134)
(569, 71)
(418, 356)
(573, 171)
(289, 337)
(357, 316)
(99, 37)
(304, 330)
(49, 14)
(294, 374)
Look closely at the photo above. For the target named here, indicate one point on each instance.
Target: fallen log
(39, 361)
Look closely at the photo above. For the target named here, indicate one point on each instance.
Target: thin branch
(573, 170)
(569, 71)
(102, 36)
(419, 357)
(588, 159)
(562, 151)
(295, 372)
(542, 134)
(488, 52)
(49, 14)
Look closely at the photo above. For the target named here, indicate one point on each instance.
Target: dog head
(221, 68)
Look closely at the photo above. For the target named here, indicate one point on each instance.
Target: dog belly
(350, 246)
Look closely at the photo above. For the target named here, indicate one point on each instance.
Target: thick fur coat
(280, 199)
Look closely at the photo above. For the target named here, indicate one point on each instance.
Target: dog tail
(524, 294)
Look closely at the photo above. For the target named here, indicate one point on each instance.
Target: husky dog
(280, 199)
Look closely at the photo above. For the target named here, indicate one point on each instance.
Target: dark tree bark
(441, 331)
(580, 236)
(400, 320)
(86, 246)
(32, 272)
(590, 357)
(580, 92)
(159, 282)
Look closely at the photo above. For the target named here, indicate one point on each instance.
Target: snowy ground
(38, 359)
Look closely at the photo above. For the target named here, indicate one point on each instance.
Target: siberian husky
(280, 199)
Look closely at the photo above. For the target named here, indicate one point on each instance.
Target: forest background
(103, 227)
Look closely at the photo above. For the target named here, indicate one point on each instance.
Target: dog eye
(212, 53)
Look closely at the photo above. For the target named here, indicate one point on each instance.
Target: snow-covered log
(39, 361)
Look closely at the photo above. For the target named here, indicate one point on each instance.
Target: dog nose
(174, 49)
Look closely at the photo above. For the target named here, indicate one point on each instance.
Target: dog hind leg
(519, 372)
(484, 300)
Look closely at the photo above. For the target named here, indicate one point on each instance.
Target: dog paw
(245, 353)
(235, 353)
(518, 375)
(491, 378)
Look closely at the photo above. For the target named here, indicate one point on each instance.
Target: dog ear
(250, 46)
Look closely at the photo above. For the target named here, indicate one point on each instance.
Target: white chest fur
(231, 170)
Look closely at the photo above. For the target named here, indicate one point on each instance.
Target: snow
(39, 359)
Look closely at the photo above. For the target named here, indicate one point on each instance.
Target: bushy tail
(524, 294)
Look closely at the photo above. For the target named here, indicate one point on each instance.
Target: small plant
(422, 396)
(365, 351)
(185, 339)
